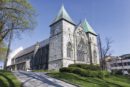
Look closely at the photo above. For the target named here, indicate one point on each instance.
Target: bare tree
(105, 52)
(106, 49)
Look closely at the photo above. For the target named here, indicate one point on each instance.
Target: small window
(69, 50)
(95, 56)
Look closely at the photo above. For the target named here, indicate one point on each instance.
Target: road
(39, 79)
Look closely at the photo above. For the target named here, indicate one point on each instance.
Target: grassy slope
(7, 79)
(112, 81)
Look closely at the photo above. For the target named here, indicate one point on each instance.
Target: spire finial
(62, 3)
(62, 6)
(85, 20)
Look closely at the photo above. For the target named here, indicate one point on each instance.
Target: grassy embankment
(112, 81)
(7, 79)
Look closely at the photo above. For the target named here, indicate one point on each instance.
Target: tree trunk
(8, 49)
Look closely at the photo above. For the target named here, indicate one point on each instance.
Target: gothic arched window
(69, 50)
(81, 51)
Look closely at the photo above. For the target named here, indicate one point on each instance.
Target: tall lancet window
(95, 56)
(69, 50)
(81, 51)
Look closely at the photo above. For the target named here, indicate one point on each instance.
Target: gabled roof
(31, 48)
(63, 15)
(87, 28)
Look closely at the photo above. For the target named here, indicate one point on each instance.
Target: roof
(63, 15)
(31, 48)
(87, 28)
(125, 56)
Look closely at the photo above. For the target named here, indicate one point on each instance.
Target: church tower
(92, 40)
(61, 40)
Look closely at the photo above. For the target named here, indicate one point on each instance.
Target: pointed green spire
(63, 15)
(87, 28)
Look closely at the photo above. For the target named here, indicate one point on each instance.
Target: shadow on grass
(2, 84)
(11, 84)
(91, 80)
(102, 83)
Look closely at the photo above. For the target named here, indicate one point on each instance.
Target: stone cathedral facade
(68, 44)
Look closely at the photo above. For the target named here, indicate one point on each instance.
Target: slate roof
(31, 48)
(63, 15)
(87, 28)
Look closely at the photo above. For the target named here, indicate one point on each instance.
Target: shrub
(102, 74)
(83, 72)
(65, 69)
(117, 72)
(80, 72)
(86, 66)
(74, 70)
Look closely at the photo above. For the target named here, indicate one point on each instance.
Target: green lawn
(7, 79)
(112, 81)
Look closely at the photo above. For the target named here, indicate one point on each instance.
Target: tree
(105, 51)
(16, 16)
(3, 50)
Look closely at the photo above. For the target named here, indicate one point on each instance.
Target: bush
(86, 66)
(102, 74)
(117, 72)
(84, 72)
(80, 71)
(65, 69)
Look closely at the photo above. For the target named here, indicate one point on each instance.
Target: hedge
(85, 73)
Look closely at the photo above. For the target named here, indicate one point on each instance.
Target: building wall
(55, 46)
(40, 60)
(68, 38)
(20, 62)
(94, 48)
(80, 36)
(64, 33)
(54, 55)
(119, 63)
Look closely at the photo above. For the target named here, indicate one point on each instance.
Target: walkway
(33, 79)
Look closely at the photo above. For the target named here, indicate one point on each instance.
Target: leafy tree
(3, 50)
(16, 16)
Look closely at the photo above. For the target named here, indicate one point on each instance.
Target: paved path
(33, 79)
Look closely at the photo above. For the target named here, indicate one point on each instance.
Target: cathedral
(68, 43)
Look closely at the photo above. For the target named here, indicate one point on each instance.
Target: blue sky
(109, 18)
